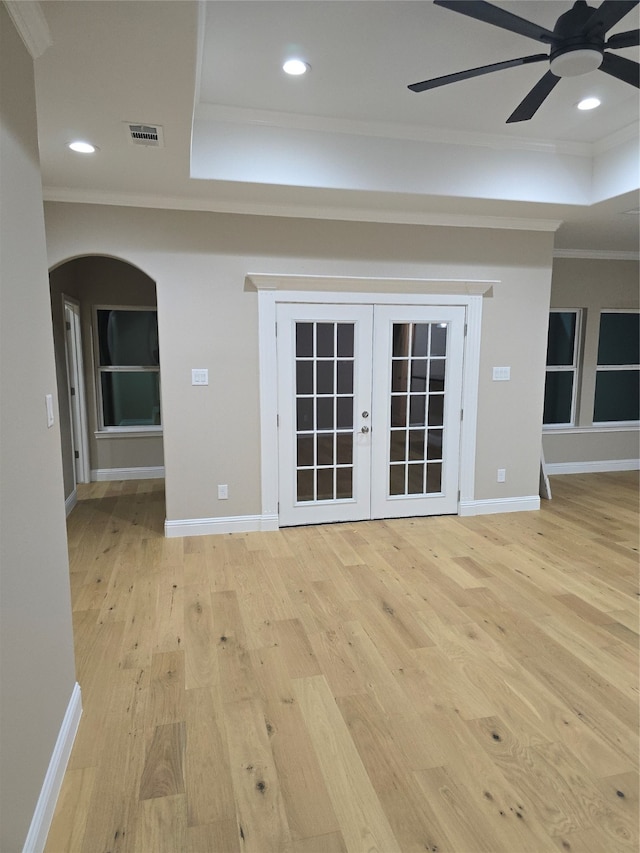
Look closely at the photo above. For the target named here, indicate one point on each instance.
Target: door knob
(365, 414)
(365, 429)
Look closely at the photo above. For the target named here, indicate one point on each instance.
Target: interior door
(369, 402)
(324, 397)
(417, 399)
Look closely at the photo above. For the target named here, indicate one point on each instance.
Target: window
(562, 368)
(618, 371)
(128, 367)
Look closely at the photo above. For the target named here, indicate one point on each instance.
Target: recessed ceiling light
(295, 67)
(589, 104)
(82, 147)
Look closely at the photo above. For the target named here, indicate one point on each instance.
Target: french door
(369, 407)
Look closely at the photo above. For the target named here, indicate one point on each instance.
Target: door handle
(365, 429)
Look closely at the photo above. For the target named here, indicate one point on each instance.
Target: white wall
(36, 643)
(207, 319)
(592, 285)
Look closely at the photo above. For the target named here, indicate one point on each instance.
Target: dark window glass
(420, 345)
(419, 375)
(557, 397)
(304, 414)
(325, 413)
(396, 479)
(128, 338)
(397, 445)
(436, 374)
(324, 377)
(305, 485)
(416, 444)
(344, 485)
(617, 397)
(345, 412)
(324, 341)
(415, 479)
(438, 339)
(345, 377)
(436, 409)
(344, 448)
(345, 340)
(434, 477)
(304, 377)
(304, 340)
(400, 340)
(417, 409)
(398, 411)
(619, 341)
(325, 449)
(325, 484)
(399, 370)
(561, 338)
(434, 444)
(131, 398)
(305, 450)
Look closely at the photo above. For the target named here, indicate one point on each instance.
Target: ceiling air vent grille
(145, 134)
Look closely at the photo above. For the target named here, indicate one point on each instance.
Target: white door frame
(273, 289)
(75, 379)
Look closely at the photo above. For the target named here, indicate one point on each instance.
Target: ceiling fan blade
(607, 15)
(490, 14)
(475, 72)
(529, 106)
(622, 68)
(629, 39)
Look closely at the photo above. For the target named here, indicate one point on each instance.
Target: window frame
(575, 367)
(102, 430)
(612, 368)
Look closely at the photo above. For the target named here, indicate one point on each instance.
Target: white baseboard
(495, 505)
(70, 502)
(211, 526)
(43, 814)
(99, 475)
(598, 466)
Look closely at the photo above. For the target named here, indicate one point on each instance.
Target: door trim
(75, 377)
(468, 293)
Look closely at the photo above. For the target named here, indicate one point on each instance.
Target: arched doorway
(104, 314)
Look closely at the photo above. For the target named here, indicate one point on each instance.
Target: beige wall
(592, 285)
(98, 281)
(36, 643)
(207, 319)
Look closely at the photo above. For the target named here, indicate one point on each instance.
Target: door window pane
(438, 339)
(344, 483)
(420, 340)
(305, 450)
(417, 409)
(434, 477)
(325, 449)
(324, 377)
(325, 484)
(304, 413)
(304, 340)
(396, 479)
(325, 413)
(399, 375)
(345, 377)
(304, 485)
(304, 377)
(345, 340)
(415, 479)
(436, 409)
(398, 411)
(416, 444)
(418, 375)
(324, 340)
(397, 445)
(344, 448)
(434, 444)
(345, 412)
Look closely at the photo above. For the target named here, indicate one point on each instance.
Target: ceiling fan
(578, 45)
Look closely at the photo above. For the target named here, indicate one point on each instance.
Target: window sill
(572, 430)
(129, 432)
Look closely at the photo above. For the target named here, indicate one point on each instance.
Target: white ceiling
(348, 139)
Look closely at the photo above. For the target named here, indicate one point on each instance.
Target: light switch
(49, 404)
(501, 374)
(200, 376)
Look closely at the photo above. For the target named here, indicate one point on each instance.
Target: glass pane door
(418, 385)
(324, 356)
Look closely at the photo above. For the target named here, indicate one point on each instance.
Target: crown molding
(31, 24)
(385, 130)
(300, 211)
(619, 137)
(596, 254)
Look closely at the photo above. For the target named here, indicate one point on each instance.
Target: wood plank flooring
(443, 684)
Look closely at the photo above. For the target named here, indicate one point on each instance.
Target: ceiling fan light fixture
(589, 103)
(296, 67)
(573, 63)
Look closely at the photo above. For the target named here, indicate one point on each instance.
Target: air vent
(149, 135)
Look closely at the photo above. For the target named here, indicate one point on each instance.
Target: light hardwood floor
(444, 684)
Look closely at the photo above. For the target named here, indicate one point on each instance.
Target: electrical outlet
(223, 492)
(502, 475)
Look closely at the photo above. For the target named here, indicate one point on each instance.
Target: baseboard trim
(213, 526)
(99, 475)
(496, 505)
(599, 466)
(70, 502)
(43, 814)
